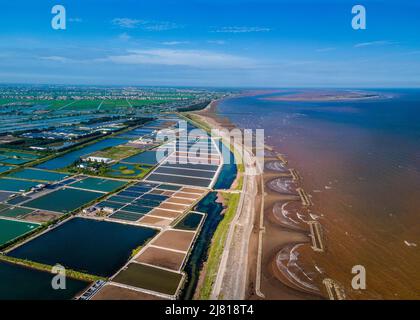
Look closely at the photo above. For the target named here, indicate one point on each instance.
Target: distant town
(78, 159)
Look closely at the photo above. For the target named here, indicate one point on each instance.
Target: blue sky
(247, 43)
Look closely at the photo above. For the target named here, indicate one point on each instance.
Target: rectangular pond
(182, 180)
(190, 222)
(11, 229)
(186, 172)
(64, 200)
(40, 175)
(98, 184)
(14, 212)
(95, 247)
(5, 168)
(150, 278)
(147, 157)
(14, 185)
(20, 283)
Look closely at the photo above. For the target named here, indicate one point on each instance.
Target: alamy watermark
(359, 20)
(58, 282)
(359, 280)
(58, 21)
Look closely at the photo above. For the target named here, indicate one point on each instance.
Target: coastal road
(231, 278)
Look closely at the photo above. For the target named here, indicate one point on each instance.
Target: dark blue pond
(229, 169)
(95, 247)
(198, 256)
(20, 283)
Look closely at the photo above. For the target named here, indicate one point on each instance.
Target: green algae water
(11, 229)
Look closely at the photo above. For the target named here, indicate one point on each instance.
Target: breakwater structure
(316, 236)
(335, 291)
(306, 200)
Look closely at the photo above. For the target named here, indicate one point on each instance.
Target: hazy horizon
(201, 43)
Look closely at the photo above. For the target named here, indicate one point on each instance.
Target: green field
(93, 104)
(117, 153)
(5, 101)
(71, 104)
(83, 105)
(51, 104)
(148, 103)
(10, 230)
(126, 170)
(64, 200)
(107, 104)
(112, 104)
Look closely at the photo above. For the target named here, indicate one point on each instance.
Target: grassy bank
(231, 201)
(197, 121)
(241, 169)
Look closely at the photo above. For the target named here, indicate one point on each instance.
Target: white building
(99, 159)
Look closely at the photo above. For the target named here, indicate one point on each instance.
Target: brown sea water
(360, 161)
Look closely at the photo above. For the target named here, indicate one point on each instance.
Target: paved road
(231, 279)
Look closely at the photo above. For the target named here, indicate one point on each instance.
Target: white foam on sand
(410, 244)
(281, 185)
(290, 256)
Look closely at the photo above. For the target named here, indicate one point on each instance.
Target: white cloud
(160, 26)
(129, 23)
(174, 43)
(219, 42)
(124, 36)
(412, 52)
(325, 49)
(238, 29)
(191, 58)
(374, 43)
(75, 19)
(56, 59)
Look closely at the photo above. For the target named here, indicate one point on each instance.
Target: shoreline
(351, 194)
(229, 283)
(259, 258)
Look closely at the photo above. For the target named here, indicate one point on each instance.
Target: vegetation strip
(47, 268)
(231, 201)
